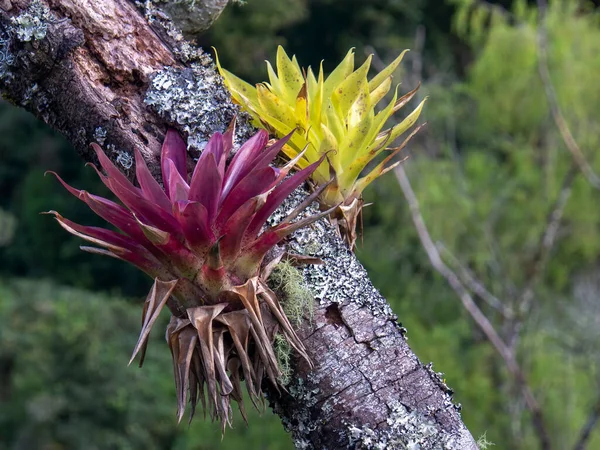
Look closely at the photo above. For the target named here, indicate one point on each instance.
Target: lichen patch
(32, 24)
(195, 99)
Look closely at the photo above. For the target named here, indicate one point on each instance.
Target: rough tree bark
(118, 73)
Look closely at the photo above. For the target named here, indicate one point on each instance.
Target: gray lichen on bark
(408, 430)
(32, 24)
(30, 43)
(195, 100)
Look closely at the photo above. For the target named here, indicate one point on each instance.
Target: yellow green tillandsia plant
(334, 116)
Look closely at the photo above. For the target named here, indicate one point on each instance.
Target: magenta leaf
(271, 152)
(174, 149)
(206, 185)
(178, 188)
(112, 171)
(278, 195)
(251, 186)
(235, 228)
(144, 209)
(193, 219)
(150, 187)
(241, 164)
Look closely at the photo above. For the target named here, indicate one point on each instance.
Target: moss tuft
(283, 353)
(296, 298)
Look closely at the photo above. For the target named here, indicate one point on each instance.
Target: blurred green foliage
(38, 247)
(66, 383)
(487, 172)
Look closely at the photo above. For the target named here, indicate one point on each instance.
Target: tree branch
(475, 285)
(586, 431)
(547, 241)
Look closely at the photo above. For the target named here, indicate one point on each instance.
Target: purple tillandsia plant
(203, 240)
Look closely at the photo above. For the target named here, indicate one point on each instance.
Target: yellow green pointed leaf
(315, 101)
(290, 76)
(347, 92)
(385, 73)
(274, 81)
(373, 145)
(301, 109)
(381, 168)
(410, 120)
(244, 93)
(329, 144)
(339, 74)
(275, 107)
(333, 115)
(380, 91)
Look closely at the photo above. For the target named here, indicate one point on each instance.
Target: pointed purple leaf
(174, 149)
(179, 190)
(206, 185)
(118, 245)
(251, 186)
(228, 137)
(112, 171)
(213, 148)
(260, 246)
(110, 211)
(242, 162)
(234, 230)
(117, 216)
(149, 267)
(147, 211)
(109, 237)
(278, 195)
(193, 218)
(271, 152)
(175, 253)
(150, 187)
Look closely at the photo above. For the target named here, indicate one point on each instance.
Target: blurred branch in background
(586, 431)
(473, 284)
(8, 225)
(560, 121)
(456, 283)
(465, 283)
(540, 258)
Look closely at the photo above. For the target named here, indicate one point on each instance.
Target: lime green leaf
(385, 73)
(290, 76)
(378, 93)
(397, 130)
(301, 109)
(339, 74)
(348, 91)
(381, 168)
(274, 81)
(275, 107)
(244, 93)
(315, 98)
